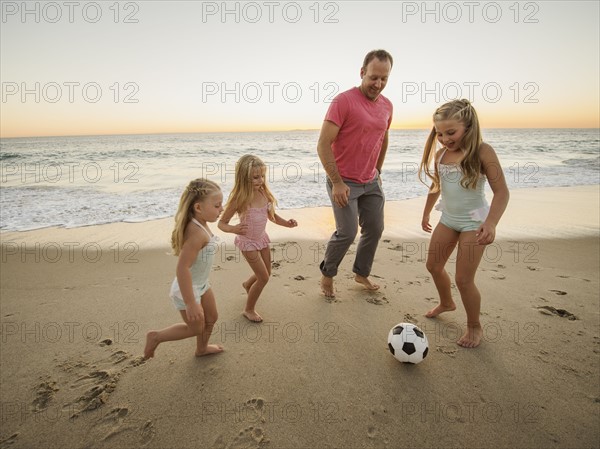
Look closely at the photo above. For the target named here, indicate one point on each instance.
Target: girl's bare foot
(366, 282)
(440, 309)
(252, 316)
(210, 349)
(327, 287)
(151, 344)
(472, 336)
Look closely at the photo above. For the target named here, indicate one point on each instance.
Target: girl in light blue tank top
(201, 203)
(460, 170)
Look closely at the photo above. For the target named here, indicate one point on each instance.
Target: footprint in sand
(408, 318)
(498, 277)
(118, 429)
(98, 387)
(448, 350)
(256, 405)
(549, 310)
(8, 442)
(148, 431)
(44, 393)
(377, 301)
(118, 357)
(543, 356)
(371, 431)
(248, 438)
(86, 385)
(558, 292)
(571, 277)
(379, 419)
(90, 383)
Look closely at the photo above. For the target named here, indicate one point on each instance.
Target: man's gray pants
(364, 209)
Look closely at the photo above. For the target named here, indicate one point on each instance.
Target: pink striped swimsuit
(256, 238)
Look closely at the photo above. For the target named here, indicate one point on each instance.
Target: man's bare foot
(366, 282)
(210, 349)
(327, 287)
(440, 309)
(151, 344)
(472, 336)
(252, 316)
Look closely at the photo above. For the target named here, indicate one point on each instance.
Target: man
(352, 147)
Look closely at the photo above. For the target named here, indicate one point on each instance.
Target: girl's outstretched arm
(224, 225)
(291, 223)
(495, 175)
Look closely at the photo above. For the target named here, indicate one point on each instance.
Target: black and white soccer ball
(408, 343)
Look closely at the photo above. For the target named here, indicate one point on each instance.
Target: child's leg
(443, 242)
(467, 260)
(247, 284)
(260, 262)
(209, 306)
(174, 332)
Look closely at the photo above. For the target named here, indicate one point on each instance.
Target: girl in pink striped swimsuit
(254, 203)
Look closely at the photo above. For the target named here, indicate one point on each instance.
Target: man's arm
(384, 147)
(329, 132)
(340, 191)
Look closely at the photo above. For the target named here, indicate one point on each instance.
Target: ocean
(90, 180)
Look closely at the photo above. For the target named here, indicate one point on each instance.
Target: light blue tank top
(457, 200)
(201, 267)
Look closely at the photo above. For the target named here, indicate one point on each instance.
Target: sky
(92, 68)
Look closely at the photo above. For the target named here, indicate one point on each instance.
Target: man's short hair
(382, 55)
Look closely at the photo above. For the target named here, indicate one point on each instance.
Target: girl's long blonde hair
(243, 192)
(196, 192)
(463, 112)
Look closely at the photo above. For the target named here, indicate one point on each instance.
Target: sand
(75, 305)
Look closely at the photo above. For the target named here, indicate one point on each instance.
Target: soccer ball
(408, 343)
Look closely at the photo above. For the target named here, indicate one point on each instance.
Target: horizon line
(258, 131)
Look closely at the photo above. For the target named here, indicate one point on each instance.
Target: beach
(75, 305)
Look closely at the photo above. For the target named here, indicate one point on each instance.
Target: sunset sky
(87, 68)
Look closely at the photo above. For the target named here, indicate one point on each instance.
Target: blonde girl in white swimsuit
(201, 203)
(460, 169)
